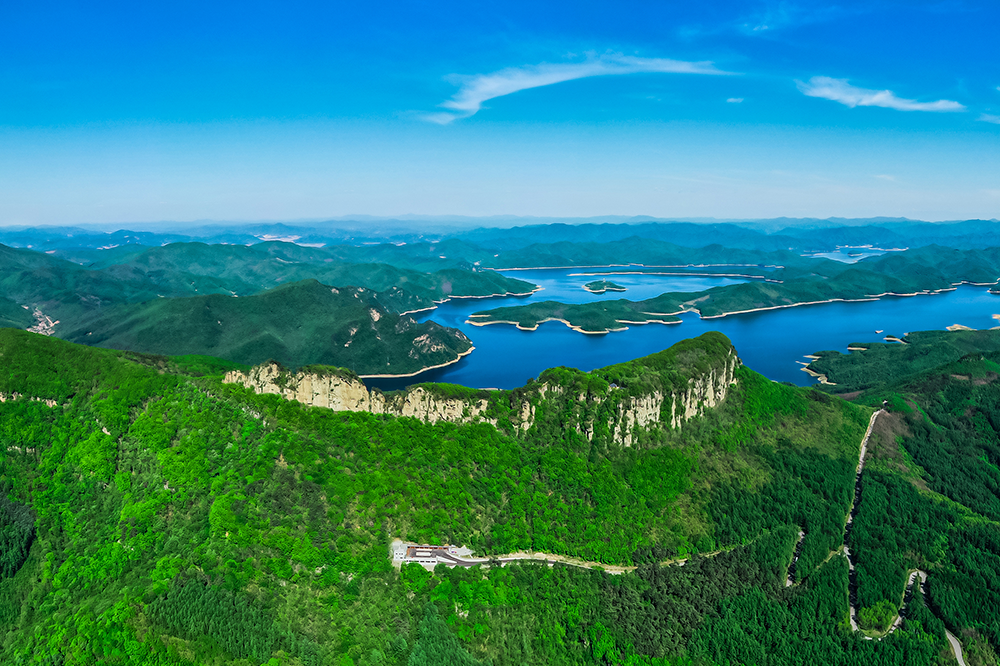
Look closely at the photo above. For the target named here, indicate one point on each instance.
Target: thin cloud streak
(475, 90)
(988, 118)
(839, 90)
(782, 14)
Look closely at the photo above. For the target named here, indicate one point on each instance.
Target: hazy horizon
(458, 222)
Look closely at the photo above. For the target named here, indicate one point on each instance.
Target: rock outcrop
(345, 392)
(4, 397)
(614, 411)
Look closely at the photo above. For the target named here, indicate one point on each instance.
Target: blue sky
(138, 112)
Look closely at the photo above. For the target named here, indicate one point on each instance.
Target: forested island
(602, 286)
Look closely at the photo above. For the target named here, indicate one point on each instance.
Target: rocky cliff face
(708, 390)
(342, 392)
(702, 392)
(614, 411)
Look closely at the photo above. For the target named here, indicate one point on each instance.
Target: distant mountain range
(797, 234)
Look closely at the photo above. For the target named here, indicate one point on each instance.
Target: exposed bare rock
(617, 414)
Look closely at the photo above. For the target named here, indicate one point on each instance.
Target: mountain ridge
(609, 410)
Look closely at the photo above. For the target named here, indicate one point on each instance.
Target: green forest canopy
(179, 520)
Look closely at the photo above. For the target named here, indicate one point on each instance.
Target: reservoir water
(771, 342)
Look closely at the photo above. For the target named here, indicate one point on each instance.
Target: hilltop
(609, 406)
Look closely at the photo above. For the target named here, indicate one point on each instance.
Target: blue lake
(771, 342)
(566, 285)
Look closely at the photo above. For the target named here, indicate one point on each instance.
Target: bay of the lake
(773, 342)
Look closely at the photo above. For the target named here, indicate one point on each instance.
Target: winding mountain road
(430, 556)
(916, 576)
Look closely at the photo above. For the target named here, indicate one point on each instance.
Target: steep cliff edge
(612, 404)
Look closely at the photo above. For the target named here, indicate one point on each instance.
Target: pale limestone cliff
(625, 415)
(333, 391)
(424, 405)
(345, 393)
(703, 392)
(16, 396)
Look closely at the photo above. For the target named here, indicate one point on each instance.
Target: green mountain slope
(297, 324)
(931, 500)
(250, 269)
(180, 520)
(875, 365)
(141, 300)
(69, 292)
(14, 315)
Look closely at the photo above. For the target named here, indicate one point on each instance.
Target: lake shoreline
(769, 342)
(548, 319)
(461, 355)
(509, 294)
(867, 298)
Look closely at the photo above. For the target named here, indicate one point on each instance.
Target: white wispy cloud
(989, 118)
(735, 100)
(839, 90)
(776, 15)
(475, 90)
(770, 17)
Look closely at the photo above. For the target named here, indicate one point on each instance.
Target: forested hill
(870, 366)
(246, 304)
(421, 272)
(156, 515)
(65, 288)
(618, 405)
(297, 324)
(930, 499)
